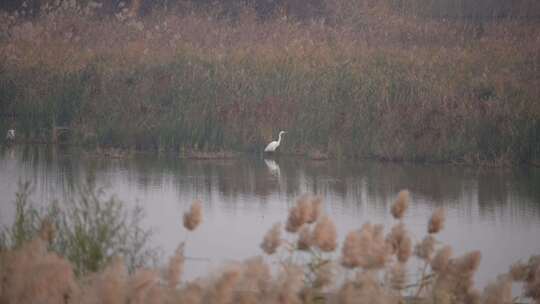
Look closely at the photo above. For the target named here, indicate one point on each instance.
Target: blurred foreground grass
(36, 265)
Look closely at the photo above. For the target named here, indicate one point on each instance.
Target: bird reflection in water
(272, 166)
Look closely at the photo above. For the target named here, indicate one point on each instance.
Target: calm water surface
(495, 211)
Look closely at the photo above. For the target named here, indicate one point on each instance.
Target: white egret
(275, 144)
(10, 134)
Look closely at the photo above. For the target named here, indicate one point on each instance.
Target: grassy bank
(366, 81)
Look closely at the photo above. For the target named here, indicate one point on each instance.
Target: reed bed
(305, 266)
(364, 80)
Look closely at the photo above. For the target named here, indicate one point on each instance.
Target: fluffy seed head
(468, 263)
(272, 239)
(299, 214)
(174, 270)
(365, 248)
(398, 276)
(498, 292)
(291, 281)
(441, 259)
(436, 222)
(324, 275)
(424, 250)
(224, 287)
(111, 286)
(192, 294)
(473, 296)
(304, 238)
(325, 234)
(257, 275)
(532, 286)
(316, 209)
(401, 204)
(140, 283)
(193, 218)
(364, 289)
(519, 271)
(400, 242)
(30, 274)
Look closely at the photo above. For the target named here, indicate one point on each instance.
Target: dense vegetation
(422, 81)
(301, 266)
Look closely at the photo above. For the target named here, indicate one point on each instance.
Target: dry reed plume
(305, 239)
(441, 259)
(365, 248)
(424, 250)
(400, 242)
(375, 268)
(529, 274)
(307, 210)
(174, 271)
(193, 218)
(272, 239)
(436, 222)
(31, 274)
(498, 292)
(401, 204)
(325, 234)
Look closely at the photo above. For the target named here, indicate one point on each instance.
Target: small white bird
(275, 144)
(10, 134)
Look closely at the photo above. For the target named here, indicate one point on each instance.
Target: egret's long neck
(279, 139)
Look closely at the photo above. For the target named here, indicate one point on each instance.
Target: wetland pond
(496, 211)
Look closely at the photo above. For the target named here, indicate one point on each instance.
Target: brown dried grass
(325, 235)
(31, 274)
(193, 218)
(401, 204)
(272, 239)
(436, 222)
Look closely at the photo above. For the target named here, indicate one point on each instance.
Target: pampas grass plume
(405, 249)
(325, 234)
(324, 275)
(398, 276)
(140, 284)
(111, 284)
(401, 204)
(291, 280)
(351, 251)
(400, 242)
(441, 259)
(436, 222)
(223, 289)
(424, 250)
(174, 271)
(365, 248)
(468, 263)
(498, 292)
(316, 209)
(299, 214)
(305, 239)
(519, 271)
(272, 239)
(193, 218)
(193, 293)
(257, 275)
(532, 286)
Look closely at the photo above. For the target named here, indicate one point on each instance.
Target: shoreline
(126, 153)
